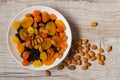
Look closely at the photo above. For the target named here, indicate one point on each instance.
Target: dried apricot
(23, 34)
(15, 39)
(59, 23)
(26, 22)
(20, 47)
(45, 17)
(16, 25)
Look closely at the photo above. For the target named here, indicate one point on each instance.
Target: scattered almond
(86, 50)
(68, 61)
(94, 47)
(84, 59)
(84, 41)
(74, 61)
(81, 53)
(92, 53)
(93, 58)
(88, 56)
(100, 62)
(87, 45)
(109, 48)
(102, 58)
(98, 55)
(77, 57)
(79, 42)
(100, 50)
(64, 63)
(48, 73)
(60, 67)
(93, 24)
(79, 62)
(84, 67)
(88, 64)
(71, 67)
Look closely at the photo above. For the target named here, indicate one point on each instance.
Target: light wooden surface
(79, 13)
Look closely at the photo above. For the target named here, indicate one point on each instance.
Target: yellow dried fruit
(45, 17)
(109, 48)
(37, 63)
(50, 26)
(26, 22)
(30, 30)
(43, 55)
(15, 39)
(16, 25)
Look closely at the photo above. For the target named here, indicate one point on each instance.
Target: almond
(102, 58)
(98, 56)
(71, 67)
(64, 63)
(93, 58)
(100, 62)
(87, 45)
(93, 24)
(109, 48)
(86, 50)
(79, 62)
(74, 61)
(77, 57)
(79, 42)
(81, 53)
(88, 64)
(88, 56)
(84, 41)
(92, 53)
(100, 50)
(84, 67)
(84, 59)
(94, 47)
(48, 73)
(68, 61)
(60, 67)
(80, 48)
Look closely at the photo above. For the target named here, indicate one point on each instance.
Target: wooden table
(79, 13)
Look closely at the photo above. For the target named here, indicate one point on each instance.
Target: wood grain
(79, 14)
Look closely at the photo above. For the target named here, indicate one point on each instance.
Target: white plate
(19, 17)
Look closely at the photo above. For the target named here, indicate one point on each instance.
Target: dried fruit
(25, 55)
(93, 24)
(84, 67)
(46, 44)
(60, 67)
(37, 63)
(100, 50)
(15, 39)
(23, 34)
(109, 48)
(30, 30)
(26, 22)
(43, 55)
(71, 67)
(45, 17)
(20, 47)
(94, 47)
(59, 23)
(50, 26)
(25, 62)
(48, 73)
(16, 25)
(49, 62)
(53, 16)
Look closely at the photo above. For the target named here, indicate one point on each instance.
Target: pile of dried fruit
(40, 38)
(82, 53)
